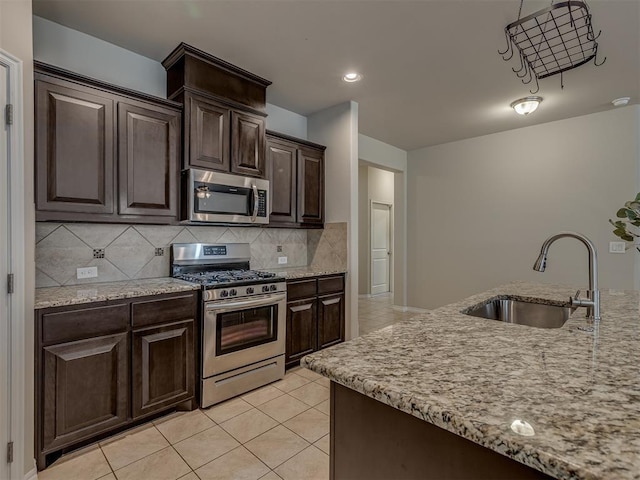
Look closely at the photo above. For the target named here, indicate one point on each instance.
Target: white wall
(364, 286)
(479, 209)
(381, 154)
(337, 128)
(72, 50)
(16, 39)
(285, 121)
(81, 53)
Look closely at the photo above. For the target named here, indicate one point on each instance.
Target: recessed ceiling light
(526, 105)
(620, 102)
(352, 77)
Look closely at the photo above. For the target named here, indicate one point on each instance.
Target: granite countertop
(98, 292)
(292, 273)
(578, 389)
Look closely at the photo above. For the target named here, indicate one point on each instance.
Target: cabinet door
(148, 153)
(74, 149)
(85, 389)
(310, 186)
(330, 320)
(248, 144)
(282, 160)
(302, 329)
(208, 134)
(163, 367)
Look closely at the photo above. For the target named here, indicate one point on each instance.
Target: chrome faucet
(592, 302)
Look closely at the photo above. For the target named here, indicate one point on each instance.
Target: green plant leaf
(622, 213)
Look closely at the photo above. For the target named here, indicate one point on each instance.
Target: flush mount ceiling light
(620, 102)
(526, 105)
(352, 77)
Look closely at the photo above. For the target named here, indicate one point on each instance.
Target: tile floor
(280, 431)
(378, 312)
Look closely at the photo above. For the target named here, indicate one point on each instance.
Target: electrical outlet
(282, 260)
(617, 247)
(86, 272)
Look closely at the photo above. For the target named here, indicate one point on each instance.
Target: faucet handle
(577, 295)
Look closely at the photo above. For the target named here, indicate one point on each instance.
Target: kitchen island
(561, 403)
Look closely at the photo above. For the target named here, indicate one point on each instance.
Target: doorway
(381, 237)
(12, 261)
(5, 332)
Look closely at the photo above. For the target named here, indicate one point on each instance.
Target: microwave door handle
(255, 203)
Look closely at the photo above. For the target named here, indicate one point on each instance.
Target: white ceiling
(432, 73)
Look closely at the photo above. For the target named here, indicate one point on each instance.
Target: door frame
(391, 245)
(15, 361)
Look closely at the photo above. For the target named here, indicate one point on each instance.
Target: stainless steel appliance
(243, 320)
(223, 198)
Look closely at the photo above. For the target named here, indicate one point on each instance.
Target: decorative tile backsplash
(123, 252)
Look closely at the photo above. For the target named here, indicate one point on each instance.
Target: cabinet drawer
(331, 284)
(172, 309)
(302, 289)
(84, 323)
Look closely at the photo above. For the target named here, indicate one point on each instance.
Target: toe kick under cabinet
(315, 315)
(101, 367)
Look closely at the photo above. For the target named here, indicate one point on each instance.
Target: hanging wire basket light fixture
(551, 41)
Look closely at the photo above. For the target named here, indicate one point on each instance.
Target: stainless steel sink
(523, 313)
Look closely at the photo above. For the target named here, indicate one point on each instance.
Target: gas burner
(218, 277)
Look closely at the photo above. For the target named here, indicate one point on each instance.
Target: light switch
(617, 247)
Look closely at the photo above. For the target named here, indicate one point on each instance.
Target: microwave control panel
(262, 203)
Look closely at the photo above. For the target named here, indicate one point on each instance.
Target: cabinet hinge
(10, 281)
(8, 114)
(10, 452)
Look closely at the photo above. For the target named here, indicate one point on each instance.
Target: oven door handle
(255, 302)
(255, 203)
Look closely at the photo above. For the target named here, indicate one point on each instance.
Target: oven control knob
(249, 290)
(265, 288)
(233, 292)
(273, 288)
(224, 293)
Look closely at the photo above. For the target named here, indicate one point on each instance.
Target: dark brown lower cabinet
(302, 329)
(86, 388)
(163, 366)
(102, 366)
(315, 315)
(330, 320)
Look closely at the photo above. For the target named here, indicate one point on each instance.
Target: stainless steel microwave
(214, 197)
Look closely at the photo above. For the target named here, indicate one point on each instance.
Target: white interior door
(380, 247)
(5, 333)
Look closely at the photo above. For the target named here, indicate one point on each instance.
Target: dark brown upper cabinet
(74, 148)
(224, 105)
(310, 186)
(148, 153)
(295, 169)
(207, 133)
(103, 153)
(248, 144)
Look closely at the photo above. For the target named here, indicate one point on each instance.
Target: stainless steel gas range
(243, 319)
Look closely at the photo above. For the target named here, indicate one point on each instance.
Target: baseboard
(31, 475)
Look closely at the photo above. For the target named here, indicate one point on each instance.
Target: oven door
(240, 332)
